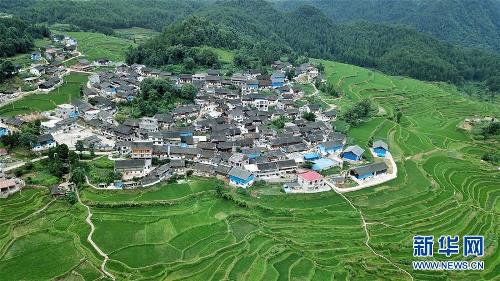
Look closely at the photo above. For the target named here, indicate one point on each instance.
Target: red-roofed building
(311, 180)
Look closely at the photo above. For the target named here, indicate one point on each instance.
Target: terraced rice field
(136, 34)
(187, 231)
(68, 91)
(97, 46)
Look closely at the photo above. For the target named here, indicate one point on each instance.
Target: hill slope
(465, 22)
(306, 30)
(187, 231)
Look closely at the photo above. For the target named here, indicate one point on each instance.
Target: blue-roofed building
(36, 56)
(186, 134)
(118, 184)
(311, 156)
(44, 142)
(252, 84)
(323, 164)
(380, 148)
(277, 80)
(74, 114)
(240, 177)
(353, 153)
(252, 153)
(4, 131)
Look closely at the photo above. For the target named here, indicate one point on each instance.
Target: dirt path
(367, 241)
(316, 93)
(12, 167)
(89, 238)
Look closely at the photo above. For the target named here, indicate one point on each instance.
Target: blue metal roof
(322, 164)
(311, 156)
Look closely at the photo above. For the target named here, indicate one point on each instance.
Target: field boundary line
(368, 237)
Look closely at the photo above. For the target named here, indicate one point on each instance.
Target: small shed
(380, 148)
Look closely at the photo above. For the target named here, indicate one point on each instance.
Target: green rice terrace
(68, 91)
(193, 230)
(96, 46)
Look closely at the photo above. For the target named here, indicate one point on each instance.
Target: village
(242, 128)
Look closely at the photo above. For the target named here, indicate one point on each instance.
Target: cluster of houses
(9, 185)
(62, 48)
(228, 132)
(47, 68)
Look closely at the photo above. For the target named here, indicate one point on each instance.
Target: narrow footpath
(316, 93)
(367, 241)
(89, 238)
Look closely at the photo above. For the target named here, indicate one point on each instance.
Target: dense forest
(16, 36)
(259, 31)
(103, 15)
(268, 34)
(468, 23)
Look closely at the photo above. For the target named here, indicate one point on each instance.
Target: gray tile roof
(370, 168)
(130, 164)
(239, 173)
(354, 149)
(380, 143)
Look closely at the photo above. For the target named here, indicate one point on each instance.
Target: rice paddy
(187, 231)
(68, 91)
(97, 46)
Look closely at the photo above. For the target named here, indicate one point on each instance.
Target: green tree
(92, 150)
(188, 92)
(79, 146)
(279, 122)
(399, 115)
(189, 63)
(71, 197)
(78, 176)
(358, 112)
(321, 67)
(309, 116)
(62, 151)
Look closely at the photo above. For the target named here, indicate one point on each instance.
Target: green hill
(464, 22)
(267, 34)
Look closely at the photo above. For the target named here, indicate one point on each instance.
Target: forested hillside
(269, 34)
(265, 33)
(16, 36)
(468, 23)
(103, 15)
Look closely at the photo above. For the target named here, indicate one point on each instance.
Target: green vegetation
(16, 36)
(24, 138)
(42, 102)
(101, 170)
(196, 230)
(160, 192)
(262, 35)
(136, 34)
(158, 95)
(466, 23)
(97, 46)
(309, 116)
(103, 16)
(53, 242)
(263, 32)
